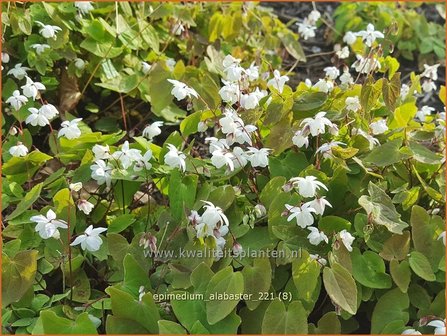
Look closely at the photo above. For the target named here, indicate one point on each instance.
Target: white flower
(365, 65)
(16, 100)
(47, 226)
(233, 71)
(411, 331)
(252, 72)
(258, 157)
(85, 206)
(70, 129)
(278, 81)
(229, 92)
(235, 129)
(324, 85)
(369, 35)
(48, 111)
(5, 57)
(170, 63)
(152, 130)
(404, 91)
(306, 29)
(75, 186)
(204, 230)
(319, 204)
(239, 157)
(31, 88)
(40, 48)
(300, 140)
(36, 118)
(127, 156)
(303, 215)
(326, 149)
(101, 152)
(84, 7)
(174, 158)
(79, 63)
(349, 38)
(101, 172)
(213, 215)
(317, 124)
(428, 86)
(307, 186)
(194, 217)
(378, 127)
(18, 71)
(442, 236)
(315, 236)
(216, 144)
(346, 79)
(18, 150)
(144, 163)
(430, 71)
(347, 239)
(260, 210)
(314, 16)
(332, 72)
(439, 326)
(341, 53)
(353, 104)
(251, 100)
(222, 158)
(423, 112)
(318, 259)
(49, 31)
(181, 90)
(178, 29)
(202, 126)
(145, 67)
(90, 240)
(372, 141)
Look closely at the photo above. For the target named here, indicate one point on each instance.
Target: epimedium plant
(159, 227)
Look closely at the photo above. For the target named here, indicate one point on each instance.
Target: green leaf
(18, 275)
(278, 320)
(370, 93)
(305, 273)
(103, 50)
(401, 274)
(292, 46)
(134, 276)
(391, 91)
(144, 313)
(341, 287)
(182, 193)
(386, 154)
(333, 224)
(271, 189)
(307, 103)
(222, 196)
(257, 279)
(223, 282)
(53, 324)
(369, 269)
(120, 223)
(424, 155)
(26, 202)
(170, 328)
(396, 247)
(380, 209)
(392, 306)
(424, 234)
(189, 125)
(328, 324)
(421, 266)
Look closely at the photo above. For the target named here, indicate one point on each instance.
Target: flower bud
(260, 210)
(75, 186)
(237, 249)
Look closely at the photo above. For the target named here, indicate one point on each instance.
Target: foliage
(412, 35)
(109, 222)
